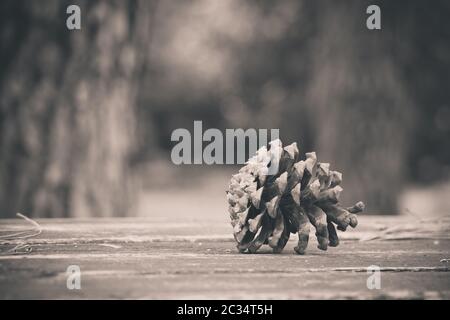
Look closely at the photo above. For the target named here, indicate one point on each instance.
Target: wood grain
(159, 258)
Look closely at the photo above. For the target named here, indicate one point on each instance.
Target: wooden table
(159, 258)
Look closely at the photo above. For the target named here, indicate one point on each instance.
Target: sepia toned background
(86, 115)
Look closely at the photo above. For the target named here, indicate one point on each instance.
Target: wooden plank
(188, 258)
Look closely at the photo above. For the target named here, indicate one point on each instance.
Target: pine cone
(266, 207)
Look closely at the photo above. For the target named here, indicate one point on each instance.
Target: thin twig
(22, 235)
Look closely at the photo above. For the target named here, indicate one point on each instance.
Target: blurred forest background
(86, 115)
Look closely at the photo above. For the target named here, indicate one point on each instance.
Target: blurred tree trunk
(362, 114)
(67, 99)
